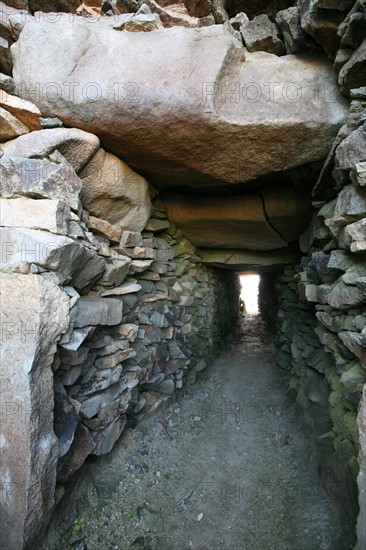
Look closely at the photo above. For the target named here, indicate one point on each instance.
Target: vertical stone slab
(34, 313)
(361, 480)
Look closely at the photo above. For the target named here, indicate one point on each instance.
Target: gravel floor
(223, 467)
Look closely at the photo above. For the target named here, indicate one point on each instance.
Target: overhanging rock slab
(258, 221)
(225, 222)
(182, 106)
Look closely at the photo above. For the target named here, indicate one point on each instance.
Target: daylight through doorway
(249, 292)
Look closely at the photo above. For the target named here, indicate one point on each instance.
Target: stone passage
(226, 466)
(150, 152)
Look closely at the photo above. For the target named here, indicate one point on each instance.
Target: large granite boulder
(181, 106)
(76, 146)
(29, 447)
(114, 192)
(35, 178)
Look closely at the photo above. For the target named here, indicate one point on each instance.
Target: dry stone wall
(135, 316)
(322, 315)
(322, 300)
(147, 327)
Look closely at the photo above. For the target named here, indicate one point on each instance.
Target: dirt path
(225, 467)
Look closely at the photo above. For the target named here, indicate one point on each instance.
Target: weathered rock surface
(107, 438)
(50, 215)
(345, 297)
(75, 145)
(96, 311)
(105, 229)
(10, 126)
(197, 80)
(142, 23)
(358, 174)
(350, 206)
(114, 192)
(334, 4)
(219, 11)
(352, 74)
(321, 24)
(353, 29)
(7, 84)
(183, 106)
(261, 34)
(13, 15)
(357, 232)
(295, 39)
(32, 328)
(287, 211)
(23, 110)
(39, 179)
(177, 14)
(351, 150)
(69, 260)
(195, 8)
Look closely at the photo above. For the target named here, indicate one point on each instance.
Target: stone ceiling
(220, 131)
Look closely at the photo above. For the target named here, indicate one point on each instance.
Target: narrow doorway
(249, 283)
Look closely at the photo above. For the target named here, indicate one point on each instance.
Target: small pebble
(199, 517)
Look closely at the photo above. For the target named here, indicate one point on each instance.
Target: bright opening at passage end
(249, 292)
